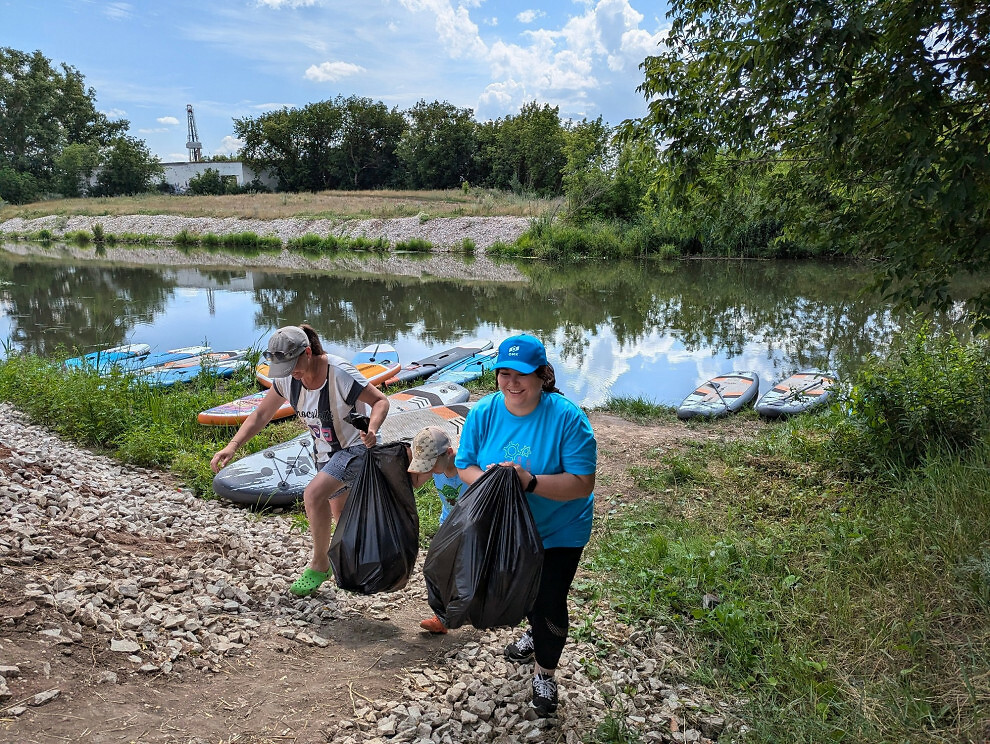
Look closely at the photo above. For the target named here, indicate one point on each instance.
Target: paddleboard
(235, 412)
(278, 475)
(105, 358)
(467, 369)
(428, 365)
(721, 395)
(798, 393)
(376, 362)
(219, 363)
(136, 364)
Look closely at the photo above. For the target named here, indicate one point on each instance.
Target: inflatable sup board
(105, 358)
(278, 475)
(220, 363)
(798, 393)
(376, 362)
(467, 369)
(721, 395)
(434, 394)
(428, 365)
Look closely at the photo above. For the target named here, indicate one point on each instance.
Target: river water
(649, 330)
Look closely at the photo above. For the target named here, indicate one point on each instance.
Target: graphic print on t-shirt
(519, 453)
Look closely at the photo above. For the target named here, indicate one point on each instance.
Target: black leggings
(549, 619)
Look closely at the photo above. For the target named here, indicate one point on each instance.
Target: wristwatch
(531, 486)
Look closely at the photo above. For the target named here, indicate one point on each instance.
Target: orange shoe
(433, 625)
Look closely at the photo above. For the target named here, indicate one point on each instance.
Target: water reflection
(616, 328)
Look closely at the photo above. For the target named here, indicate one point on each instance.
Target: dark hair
(546, 373)
(314, 339)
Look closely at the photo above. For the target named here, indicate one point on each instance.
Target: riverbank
(445, 234)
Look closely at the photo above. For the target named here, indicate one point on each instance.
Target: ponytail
(314, 340)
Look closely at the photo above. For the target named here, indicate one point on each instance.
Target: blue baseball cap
(523, 353)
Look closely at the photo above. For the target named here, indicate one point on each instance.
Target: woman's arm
(251, 426)
(557, 486)
(379, 410)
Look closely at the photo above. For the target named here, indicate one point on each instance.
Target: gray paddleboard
(798, 393)
(278, 475)
(721, 395)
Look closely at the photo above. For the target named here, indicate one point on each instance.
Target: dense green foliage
(931, 396)
(346, 143)
(871, 120)
(52, 138)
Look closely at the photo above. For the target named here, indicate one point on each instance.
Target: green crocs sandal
(309, 582)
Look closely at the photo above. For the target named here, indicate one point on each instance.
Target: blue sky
(240, 58)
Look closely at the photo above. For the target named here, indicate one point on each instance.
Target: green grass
(640, 410)
(847, 611)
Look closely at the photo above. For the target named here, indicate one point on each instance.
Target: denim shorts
(345, 464)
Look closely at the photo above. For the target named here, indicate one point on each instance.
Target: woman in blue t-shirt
(532, 427)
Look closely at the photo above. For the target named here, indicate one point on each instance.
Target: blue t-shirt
(556, 437)
(449, 488)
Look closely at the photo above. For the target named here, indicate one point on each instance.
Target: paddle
(714, 386)
(813, 383)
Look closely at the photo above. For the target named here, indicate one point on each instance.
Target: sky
(231, 59)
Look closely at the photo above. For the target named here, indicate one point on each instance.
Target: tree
(42, 111)
(879, 113)
(75, 166)
(600, 178)
(529, 150)
(128, 168)
(369, 144)
(343, 143)
(437, 149)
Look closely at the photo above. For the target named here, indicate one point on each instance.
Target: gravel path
(159, 583)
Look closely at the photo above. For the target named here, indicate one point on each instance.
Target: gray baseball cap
(285, 346)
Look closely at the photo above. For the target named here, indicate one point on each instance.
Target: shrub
(927, 396)
(185, 237)
(417, 245)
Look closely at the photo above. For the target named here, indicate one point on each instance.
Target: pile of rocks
(174, 582)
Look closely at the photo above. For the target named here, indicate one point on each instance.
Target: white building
(177, 175)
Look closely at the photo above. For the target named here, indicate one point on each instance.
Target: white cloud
(272, 106)
(455, 29)
(115, 113)
(332, 71)
(279, 4)
(229, 145)
(152, 130)
(168, 120)
(560, 65)
(528, 16)
(118, 11)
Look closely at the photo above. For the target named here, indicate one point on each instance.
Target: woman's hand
(221, 458)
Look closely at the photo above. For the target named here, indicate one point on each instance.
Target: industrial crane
(194, 146)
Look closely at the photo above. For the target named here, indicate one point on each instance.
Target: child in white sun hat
(433, 454)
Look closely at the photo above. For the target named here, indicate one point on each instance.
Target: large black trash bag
(485, 561)
(375, 544)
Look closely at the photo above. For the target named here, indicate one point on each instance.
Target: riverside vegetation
(832, 571)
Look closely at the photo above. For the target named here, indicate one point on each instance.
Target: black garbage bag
(375, 544)
(485, 561)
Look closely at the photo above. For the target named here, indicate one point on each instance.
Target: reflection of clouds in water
(657, 368)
